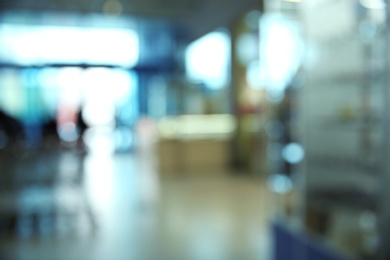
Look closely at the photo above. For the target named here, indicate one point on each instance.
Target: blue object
(289, 245)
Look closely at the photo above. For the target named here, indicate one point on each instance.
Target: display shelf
(343, 198)
(334, 124)
(344, 114)
(341, 119)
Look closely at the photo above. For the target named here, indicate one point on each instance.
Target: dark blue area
(289, 245)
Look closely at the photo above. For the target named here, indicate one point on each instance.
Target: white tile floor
(142, 215)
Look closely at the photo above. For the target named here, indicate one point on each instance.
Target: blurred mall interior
(194, 129)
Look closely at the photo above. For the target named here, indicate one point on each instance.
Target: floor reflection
(69, 205)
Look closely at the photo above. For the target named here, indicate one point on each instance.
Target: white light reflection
(281, 52)
(99, 140)
(28, 45)
(207, 59)
(293, 153)
(98, 107)
(69, 81)
(103, 89)
(279, 183)
(99, 179)
(373, 4)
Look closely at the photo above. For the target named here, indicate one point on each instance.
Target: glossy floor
(120, 207)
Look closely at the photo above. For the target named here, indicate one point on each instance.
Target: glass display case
(342, 123)
(343, 112)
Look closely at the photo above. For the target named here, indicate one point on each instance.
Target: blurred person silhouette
(81, 124)
(82, 127)
(11, 129)
(50, 133)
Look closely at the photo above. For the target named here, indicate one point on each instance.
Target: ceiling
(196, 16)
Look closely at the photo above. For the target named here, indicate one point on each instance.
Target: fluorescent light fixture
(29, 45)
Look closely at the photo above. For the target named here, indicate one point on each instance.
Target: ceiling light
(373, 4)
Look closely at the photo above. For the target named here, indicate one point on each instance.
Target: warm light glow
(194, 125)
